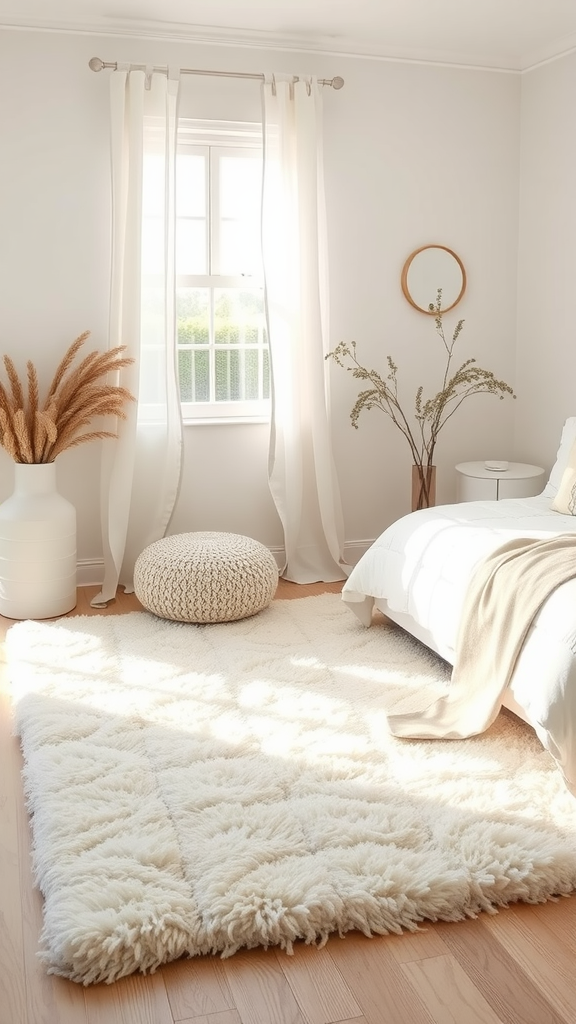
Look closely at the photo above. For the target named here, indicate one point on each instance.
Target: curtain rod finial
(337, 82)
(95, 64)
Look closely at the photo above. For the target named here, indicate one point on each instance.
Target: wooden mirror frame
(404, 278)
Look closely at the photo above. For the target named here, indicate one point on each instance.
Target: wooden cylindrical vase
(37, 546)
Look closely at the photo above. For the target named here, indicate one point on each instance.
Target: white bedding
(418, 570)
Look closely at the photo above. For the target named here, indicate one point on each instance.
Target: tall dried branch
(39, 438)
(7, 438)
(432, 414)
(22, 436)
(88, 374)
(91, 396)
(65, 364)
(5, 401)
(45, 433)
(33, 398)
(33, 432)
(68, 432)
(17, 389)
(80, 439)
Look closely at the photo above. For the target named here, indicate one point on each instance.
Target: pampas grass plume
(32, 432)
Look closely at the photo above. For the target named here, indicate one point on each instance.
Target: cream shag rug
(198, 789)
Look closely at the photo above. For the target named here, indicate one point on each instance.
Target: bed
(417, 573)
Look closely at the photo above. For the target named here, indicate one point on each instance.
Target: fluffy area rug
(199, 789)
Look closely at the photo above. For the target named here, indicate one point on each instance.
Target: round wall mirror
(426, 270)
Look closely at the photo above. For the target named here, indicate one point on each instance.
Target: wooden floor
(516, 967)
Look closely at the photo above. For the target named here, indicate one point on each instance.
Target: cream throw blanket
(503, 597)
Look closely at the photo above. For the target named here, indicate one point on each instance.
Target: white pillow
(562, 457)
(565, 500)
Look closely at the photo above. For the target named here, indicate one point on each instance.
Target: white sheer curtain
(141, 470)
(302, 474)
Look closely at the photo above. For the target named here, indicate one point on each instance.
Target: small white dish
(496, 467)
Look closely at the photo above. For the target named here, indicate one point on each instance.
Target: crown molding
(547, 54)
(324, 45)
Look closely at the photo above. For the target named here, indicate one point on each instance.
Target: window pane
(240, 204)
(251, 359)
(185, 357)
(221, 333)
(240, 249)
(191, 248)
(238, 316)
(201, 367)
(228, 387)
(193, 316)
(238, 375)
(240, 186)
(191, 185)
(194, 375)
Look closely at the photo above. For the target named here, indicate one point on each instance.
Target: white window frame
(219, 138)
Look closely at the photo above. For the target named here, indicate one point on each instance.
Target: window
(221, 339)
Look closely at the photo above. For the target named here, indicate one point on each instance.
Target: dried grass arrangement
(430, 414)
(35, 433)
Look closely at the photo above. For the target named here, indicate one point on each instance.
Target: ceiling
(508, 34)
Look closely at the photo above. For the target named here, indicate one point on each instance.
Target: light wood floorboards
(516, 967)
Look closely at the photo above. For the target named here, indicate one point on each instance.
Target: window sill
(226, 421)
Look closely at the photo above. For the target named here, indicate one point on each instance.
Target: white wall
(414, 154)
(547, 260)
(429, 154)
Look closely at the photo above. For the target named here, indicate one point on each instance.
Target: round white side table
(476, 483)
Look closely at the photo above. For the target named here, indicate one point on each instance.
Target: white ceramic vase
(37, 546)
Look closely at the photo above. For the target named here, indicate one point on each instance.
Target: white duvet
(418, 571)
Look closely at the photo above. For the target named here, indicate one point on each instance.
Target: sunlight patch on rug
(200, 789)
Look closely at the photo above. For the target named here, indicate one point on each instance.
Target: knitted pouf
(205, 577)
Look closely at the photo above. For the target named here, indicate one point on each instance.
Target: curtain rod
(95, 64)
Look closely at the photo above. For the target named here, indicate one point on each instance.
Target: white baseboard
(353, 551)
(90, 571)
(279, 556)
